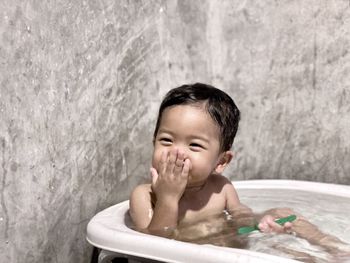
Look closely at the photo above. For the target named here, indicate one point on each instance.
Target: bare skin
(187, 184)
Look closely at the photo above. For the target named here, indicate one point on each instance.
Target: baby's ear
(224, 159)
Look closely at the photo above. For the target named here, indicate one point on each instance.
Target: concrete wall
(81, 82)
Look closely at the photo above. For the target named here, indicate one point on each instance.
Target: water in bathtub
(319, 209)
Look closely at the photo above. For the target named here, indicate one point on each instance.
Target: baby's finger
(186, 168)
(275, 227)
(179, 162)
(163, 163)
(263, 227)
(171, 161)
(288, 227)
(154, 175)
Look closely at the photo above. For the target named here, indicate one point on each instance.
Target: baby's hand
(267, 224)
(171, 178)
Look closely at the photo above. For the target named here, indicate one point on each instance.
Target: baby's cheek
(157, 156)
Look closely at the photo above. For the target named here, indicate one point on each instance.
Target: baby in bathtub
(192, 140)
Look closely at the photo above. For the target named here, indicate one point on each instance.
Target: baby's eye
(165, 141)
(196, 146)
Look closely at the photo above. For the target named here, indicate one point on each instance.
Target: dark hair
(218, 104)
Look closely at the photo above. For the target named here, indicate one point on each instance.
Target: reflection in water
(216, 230)
(328, 213)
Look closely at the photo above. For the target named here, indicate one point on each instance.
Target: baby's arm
(232, 200)
(243, 213)
(168, 185)
(141, 206)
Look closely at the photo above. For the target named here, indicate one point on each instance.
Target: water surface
(328, 212)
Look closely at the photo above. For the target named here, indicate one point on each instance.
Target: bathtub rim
(101, 236)
(309, 186)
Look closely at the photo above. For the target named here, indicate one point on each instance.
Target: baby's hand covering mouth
(170, 179)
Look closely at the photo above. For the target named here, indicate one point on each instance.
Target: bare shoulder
(219, 181)
(223, 185)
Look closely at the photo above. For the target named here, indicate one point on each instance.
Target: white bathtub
(108, 229)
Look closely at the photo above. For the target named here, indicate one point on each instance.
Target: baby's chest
(199, 209)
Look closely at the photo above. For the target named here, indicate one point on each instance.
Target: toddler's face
(190, 129)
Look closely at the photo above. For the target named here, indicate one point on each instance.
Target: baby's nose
(182, 151)
(178, 152)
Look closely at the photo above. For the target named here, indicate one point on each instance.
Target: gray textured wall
(81, 82)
